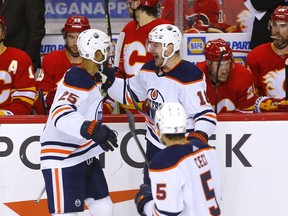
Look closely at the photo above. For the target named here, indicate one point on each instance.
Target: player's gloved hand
(269, 104)
(99, 133)
(108, 77)
(142, 197)
(50, 97)
(198, 135)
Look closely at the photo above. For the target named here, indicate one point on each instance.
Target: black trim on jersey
(65, 113)
(205, 119)
(52, 143)
(167, 213)
(203, 113)
(83, 152)
(79, 77)
(71, 155)
(184, 72)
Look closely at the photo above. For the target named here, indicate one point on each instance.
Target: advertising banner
(252, 157)
(192, 47)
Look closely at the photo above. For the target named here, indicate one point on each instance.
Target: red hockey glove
(142, 197)
(269, 104)
(50, 97)
(101, 134)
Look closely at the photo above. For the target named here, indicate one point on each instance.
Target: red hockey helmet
(149, 3)
(3, 22)
(214, 48)
(76, 24)
(280, 14)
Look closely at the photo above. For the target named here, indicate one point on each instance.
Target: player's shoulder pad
(18, 54)
(186, 72)
(79, 78)
(130, 25)
(54, 54)
(170, 156)
(149, 66)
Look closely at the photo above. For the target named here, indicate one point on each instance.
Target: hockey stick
(141, 112)
(118, 49)
(286, 79)
(41, 98)
(109, 31)
(131, 120)
(40, 195)
(216, 85)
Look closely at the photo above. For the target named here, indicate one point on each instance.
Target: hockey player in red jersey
(230, 86)
(267, 64)
(17, 84)
(133, 53)
(74, 136)
(166, 78)
(56, 63)
(185, 176)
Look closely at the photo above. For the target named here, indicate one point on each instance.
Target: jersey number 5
(209, 193)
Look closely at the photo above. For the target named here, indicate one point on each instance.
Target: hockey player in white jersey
(185, 176)
(74, 135)
(166, 78)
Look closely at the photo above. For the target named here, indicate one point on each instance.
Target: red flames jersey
(17, 83)
(268, 69)
(236, 94)
(134, 54)
(54, 65)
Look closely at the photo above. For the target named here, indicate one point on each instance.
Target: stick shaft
(131, 121)
(40, 195)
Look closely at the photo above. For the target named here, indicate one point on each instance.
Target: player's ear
(208, 63)
(98, 56)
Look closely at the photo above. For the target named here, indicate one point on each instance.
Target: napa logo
(195, 45)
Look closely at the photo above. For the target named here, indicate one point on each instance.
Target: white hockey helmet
(166, 34)
(91, 40)
(171, 118)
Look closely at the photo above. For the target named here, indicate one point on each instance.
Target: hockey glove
(101, 134)
(108, 77)
(50, 97)
(269, 104)
(142, 197)
(198, 135)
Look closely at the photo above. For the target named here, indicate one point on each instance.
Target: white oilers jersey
(77, 99)
(185, 180)
(185, 84)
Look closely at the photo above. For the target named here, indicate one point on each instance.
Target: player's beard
(279, 42)
(69, 50)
